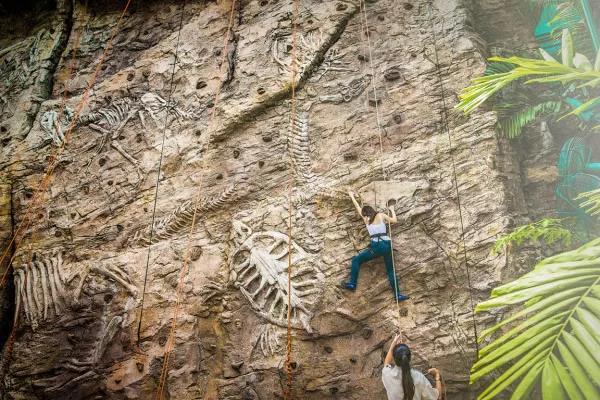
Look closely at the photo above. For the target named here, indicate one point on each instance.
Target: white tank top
(375, 229)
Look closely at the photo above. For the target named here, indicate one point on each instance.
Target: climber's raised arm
(356, 205)
(392, 219)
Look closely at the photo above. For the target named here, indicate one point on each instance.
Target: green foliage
(512, 118)
(550, 230)
(535, 71)
(551, 343)
(590, 202)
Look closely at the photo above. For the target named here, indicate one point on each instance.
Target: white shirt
(392, 380)
(375, 229)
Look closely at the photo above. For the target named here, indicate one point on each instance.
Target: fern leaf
(550, 230)
(511, 122)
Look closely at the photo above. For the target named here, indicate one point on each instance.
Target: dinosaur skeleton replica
(110, 120)
(40, 287)
(258, 268)
(181, 218)
(308, 48)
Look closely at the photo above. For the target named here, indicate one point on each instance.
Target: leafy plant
(513, 117)
(591, 202)
(553, 345)
(575, 72)
(550, 230)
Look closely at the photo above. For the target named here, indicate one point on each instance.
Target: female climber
(380, 246)
(404, 383)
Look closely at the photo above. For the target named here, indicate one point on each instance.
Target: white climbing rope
(379, 130)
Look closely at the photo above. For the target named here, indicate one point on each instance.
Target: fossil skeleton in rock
(40, 286)
(258, 267)
(268, 340)
(54, 127)
(110, 120)
(308, 48)
(347, 93)
(182, 216)
(298, 146)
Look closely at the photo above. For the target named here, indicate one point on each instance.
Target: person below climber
(401, 382)
(380, 246)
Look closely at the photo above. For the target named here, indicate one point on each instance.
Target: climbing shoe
(349, 285)
(401, 297)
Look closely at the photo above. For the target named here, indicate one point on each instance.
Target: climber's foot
(349, 286)
(401, 297)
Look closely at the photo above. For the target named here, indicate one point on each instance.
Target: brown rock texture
(79, 267)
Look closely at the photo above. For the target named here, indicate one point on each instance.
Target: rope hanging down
(444, 118)
(293, 111)
(44, 182)
(160, 159)
(186, 261)
(379, 130)
(8, 348)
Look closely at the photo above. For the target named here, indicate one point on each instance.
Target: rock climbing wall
(86, 239)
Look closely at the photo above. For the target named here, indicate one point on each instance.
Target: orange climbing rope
(45, 180)
(293, 110)
(186, 261)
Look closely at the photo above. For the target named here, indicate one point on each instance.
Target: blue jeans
(377, 248)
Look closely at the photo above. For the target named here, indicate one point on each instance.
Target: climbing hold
(392, 74)
(237, 365)
(366, 333)
(379, 194)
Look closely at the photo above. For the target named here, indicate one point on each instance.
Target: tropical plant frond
(550, 230)
(590, 202)
(498, 68)
(585, 110)
(512, 118)
(553, 343)
(529, 70)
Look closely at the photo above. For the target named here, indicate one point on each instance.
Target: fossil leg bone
(44, 278)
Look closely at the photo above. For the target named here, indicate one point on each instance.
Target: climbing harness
(293, 110)
(444, 118)
(44, 182)
(186, 261)
(156, 186)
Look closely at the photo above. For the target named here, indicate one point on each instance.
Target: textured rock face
(79, 268)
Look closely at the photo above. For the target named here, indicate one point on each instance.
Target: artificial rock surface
(80, 263)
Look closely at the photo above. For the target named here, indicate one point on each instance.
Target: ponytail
(402, 360)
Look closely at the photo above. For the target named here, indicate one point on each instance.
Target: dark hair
(368, 211)
(402, 360)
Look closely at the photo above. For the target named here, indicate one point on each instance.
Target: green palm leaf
(554, 344)
(528, 70)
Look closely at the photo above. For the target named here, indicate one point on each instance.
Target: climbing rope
(365, 28)
(44, 182)
(186, 261)
(444, 120)
(293, 111)
(160, 159)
